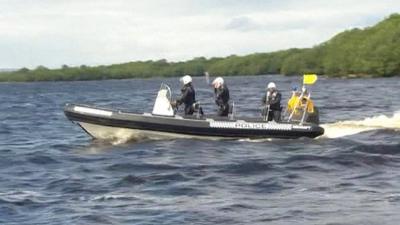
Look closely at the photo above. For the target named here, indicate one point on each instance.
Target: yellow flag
(310, 78)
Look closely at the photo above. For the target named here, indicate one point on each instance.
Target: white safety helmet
(271, 85)
(218, 82)
(186, 79)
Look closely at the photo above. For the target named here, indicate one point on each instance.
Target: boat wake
(256, 140)
(351, 127)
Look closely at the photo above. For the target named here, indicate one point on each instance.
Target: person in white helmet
(188, 96)
(221, 92)
(272, 103)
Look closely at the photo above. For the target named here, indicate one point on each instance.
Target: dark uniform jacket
(274, 100)
(188, 97)
(222, 100)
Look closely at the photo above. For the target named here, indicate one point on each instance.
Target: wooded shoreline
(369, 52)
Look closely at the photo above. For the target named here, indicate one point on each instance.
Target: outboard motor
(308, 117)
(313, 117)
(162, 105)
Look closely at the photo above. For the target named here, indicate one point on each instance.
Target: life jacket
(297, 105)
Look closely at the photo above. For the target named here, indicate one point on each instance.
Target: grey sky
(93, 32)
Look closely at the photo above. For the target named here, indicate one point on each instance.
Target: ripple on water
(130, 180)
(42, 160)
(26, 199)
(53, 173)
(127, 167)
(248, 167)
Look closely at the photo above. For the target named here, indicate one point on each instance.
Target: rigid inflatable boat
(110, 124)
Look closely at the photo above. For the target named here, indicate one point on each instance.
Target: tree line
(373, 51)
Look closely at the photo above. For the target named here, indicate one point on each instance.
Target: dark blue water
(53, 173)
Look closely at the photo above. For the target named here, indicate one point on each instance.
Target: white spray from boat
(351, 127)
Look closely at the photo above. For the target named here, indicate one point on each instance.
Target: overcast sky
(94, 32)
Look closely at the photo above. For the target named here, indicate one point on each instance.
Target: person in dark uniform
(221, 92)
(272, 103)
(188, 96)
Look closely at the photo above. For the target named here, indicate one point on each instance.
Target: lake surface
(52, 172)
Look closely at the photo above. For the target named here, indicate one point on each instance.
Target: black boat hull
(112, 124)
